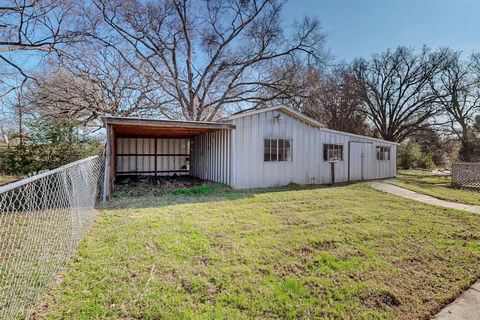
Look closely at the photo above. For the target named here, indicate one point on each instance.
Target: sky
(359, 28)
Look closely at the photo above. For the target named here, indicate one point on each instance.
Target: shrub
(410, 156)
(50, 145)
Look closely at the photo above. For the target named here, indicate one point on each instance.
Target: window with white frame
(383, 153)
(277, 150)
(332, 152)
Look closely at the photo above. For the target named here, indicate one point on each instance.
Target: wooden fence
(466, 175)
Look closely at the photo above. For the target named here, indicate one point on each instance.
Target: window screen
(332, 152)
(383, 153)
(277, 150)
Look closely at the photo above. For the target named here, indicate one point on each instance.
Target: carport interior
(144, 147)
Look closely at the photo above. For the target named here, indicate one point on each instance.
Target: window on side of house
(333, 152)
(383, 153)
(277, 150)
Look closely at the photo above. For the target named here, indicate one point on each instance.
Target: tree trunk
(20, 124)
(466, 153)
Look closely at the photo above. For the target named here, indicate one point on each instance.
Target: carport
(137, 146)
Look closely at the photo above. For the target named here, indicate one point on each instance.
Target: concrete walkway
(467, 306)
(385, 187)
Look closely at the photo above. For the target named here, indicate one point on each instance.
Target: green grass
(346, 252)
(34, 244)
(204, 189)
(437, 186)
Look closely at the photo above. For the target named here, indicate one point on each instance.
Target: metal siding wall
(373, 168)
(134, 146)
(146, 163)
(308, 166)
(211, 158)
(250, 169)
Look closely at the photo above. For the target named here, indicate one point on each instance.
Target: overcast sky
(362, 27)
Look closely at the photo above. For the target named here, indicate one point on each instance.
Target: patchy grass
(345, 252)
(434, 185)
(201, 189)
(204, 189)
(4, 179)
(161, 186)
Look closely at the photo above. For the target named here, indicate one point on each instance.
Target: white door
(361, 154)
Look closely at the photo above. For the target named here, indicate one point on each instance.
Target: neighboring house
(253, 149)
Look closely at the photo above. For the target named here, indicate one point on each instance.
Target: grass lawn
(437, 186)
(346, 252)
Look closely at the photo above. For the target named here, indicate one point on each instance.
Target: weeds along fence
(466, 175)
(42, 220)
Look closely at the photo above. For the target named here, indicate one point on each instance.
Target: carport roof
(154, 128)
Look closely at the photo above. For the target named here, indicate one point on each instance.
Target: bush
(51, 145)
(425, 161)
(410, 156)
(19, 160)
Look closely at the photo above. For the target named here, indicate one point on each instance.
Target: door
(360, 155)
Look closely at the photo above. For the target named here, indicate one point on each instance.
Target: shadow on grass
(203, 193)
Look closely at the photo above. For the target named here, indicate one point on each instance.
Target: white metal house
(254, 149)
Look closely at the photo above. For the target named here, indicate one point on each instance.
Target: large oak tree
(458, 94)
(395, 87)
(205, 55)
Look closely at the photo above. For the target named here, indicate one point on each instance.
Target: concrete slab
(466, 307)
(476, 286)
(385, 187)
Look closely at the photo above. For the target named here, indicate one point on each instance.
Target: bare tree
(458, 93)
(40, 26)
(13, 113)
(88, 83)
(204, 55)
(395, 87)
(336, 104)
(327, 95)
(297, 85)
(8, 128)
(476, 125)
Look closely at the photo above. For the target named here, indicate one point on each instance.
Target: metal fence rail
(42, 220)
(466, 175)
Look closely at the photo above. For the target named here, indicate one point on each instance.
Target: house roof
(284, 109)
(140, 127)
(302, 117)
(359, 136)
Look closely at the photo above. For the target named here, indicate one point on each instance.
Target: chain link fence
(466, 175)
(42, 220)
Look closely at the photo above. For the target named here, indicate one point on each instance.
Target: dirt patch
(379, 299)
(466, 236)
(324, 245)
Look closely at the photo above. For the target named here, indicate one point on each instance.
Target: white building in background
(254, 149)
